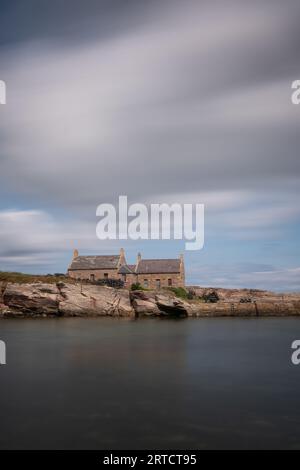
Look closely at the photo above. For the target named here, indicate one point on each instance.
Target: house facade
(150, 273)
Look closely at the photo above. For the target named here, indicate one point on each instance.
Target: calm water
(109, 383)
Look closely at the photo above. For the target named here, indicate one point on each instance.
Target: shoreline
(62, 299)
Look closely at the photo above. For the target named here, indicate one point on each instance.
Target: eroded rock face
(38, 299)
(151, 303)
(145, 307)
(31, 299)
(65, 300)
(94, 300)
(171, 305)
(144, 303)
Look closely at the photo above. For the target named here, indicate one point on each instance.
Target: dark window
(169, 282)
(92, 277)
(158, 283)
(105, 275)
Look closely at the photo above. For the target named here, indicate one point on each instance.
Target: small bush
(116, 283)
(179, 292)
(136, 286)
(212, 297)
(245, 300)
(60, 285)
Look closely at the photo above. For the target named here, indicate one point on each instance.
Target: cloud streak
(185, 102)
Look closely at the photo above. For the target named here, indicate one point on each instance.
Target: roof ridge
(160, 259)
(97, 256)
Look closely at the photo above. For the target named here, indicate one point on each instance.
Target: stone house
(150, 273)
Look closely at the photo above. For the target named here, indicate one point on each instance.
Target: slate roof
(127, 269)
(131, 267)
(157, 266)
(95, 262)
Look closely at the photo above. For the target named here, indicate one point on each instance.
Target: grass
(179, 292)
(22, 278)
(137, 286)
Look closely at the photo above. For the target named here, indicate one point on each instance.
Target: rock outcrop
(31, 299)
(94, 300)
(64, 299)
(246, 302)
(151, 303)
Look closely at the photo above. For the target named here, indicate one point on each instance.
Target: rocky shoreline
(70, 300)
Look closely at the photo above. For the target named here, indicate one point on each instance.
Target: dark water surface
(185, 384)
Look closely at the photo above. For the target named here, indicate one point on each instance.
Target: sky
(162, 101)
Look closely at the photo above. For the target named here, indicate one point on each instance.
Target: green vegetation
(211, 297)
(116, 283)
(180, 292)
(22, 278)
(137, 286)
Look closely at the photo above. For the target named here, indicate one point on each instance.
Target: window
(146, 283)
(124, 277)
(169, 282)
(157, 283)
(92, 277)
(105, 275)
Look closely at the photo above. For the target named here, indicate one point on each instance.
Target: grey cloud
(69, 21)
(170, 100)
(253, 276)
(182, 103)
(34, 237)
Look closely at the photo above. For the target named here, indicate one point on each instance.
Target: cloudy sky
(162, 101)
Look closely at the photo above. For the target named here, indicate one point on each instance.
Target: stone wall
(176, 280)
(86, 274)
(129, 280)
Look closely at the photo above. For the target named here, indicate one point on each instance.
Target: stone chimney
(75, 255)
(182, 270)
(122, 259)
(139, 257)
